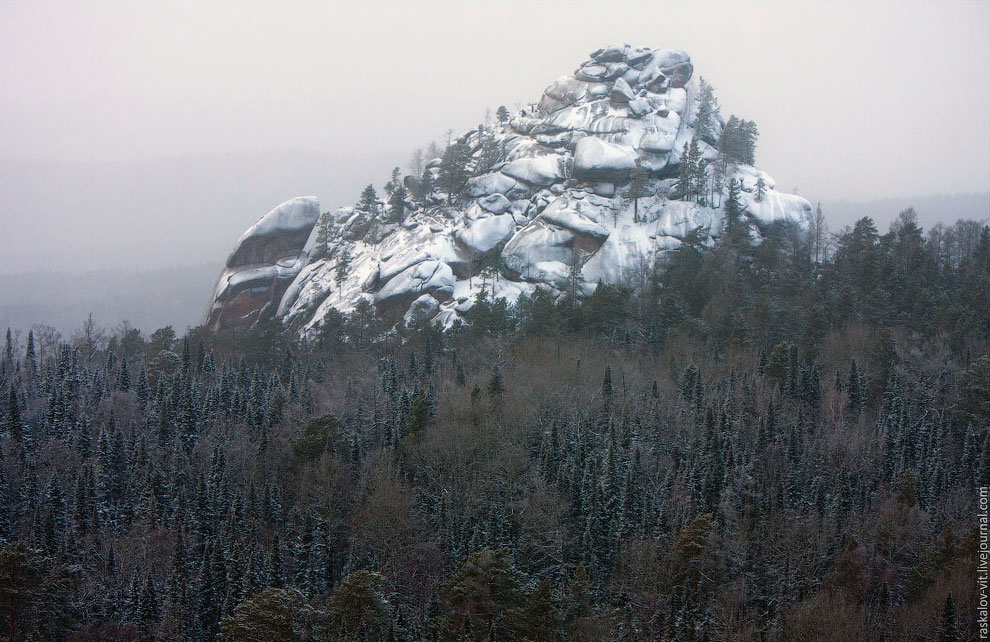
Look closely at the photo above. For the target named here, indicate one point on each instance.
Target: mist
(144, 136)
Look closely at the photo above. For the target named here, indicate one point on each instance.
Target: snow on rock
(265, 261)
(587, 214)
(422, 308)
(425, 276)
(550, 209)
(595, 159)
(534, 244)
(495, 203)
(494, 183)
(540, 170)
(277, 234)
(485, 234)
(775, 206)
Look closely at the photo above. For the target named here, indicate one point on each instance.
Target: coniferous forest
(777, 442)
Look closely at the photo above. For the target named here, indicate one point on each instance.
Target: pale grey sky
(855, 100)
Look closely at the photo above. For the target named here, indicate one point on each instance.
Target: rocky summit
(586, 186)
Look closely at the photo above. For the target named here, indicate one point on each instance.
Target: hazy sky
(856, 100)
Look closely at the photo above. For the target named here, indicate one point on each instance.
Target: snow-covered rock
(266, 259)
(599, 160)
(552, 212)
(484, 234)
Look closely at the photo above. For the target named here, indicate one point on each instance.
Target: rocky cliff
(266, 259)
(548, 206)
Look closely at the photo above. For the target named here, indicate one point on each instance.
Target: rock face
(547, 207)
(266, 259)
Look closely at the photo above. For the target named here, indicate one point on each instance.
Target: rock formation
(266, 259)
(547, 207)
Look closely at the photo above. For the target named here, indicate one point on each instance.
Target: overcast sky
(113, 115)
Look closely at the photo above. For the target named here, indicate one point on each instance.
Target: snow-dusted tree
(454, 169)
(398, 202)
(343, 263)
(733, 208)
(761, 188)
(738, 141)
(322, 236)
(704, 120)
(369, 200)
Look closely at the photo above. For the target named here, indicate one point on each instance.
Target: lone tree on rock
(637, 188)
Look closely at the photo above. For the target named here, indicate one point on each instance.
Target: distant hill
(146, 299)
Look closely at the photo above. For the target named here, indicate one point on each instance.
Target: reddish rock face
(263, 264)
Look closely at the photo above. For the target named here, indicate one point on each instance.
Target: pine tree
(357, 608)
(947, 631)
(738, 141)
(705, 117)
(426, 184)
(14, 424)
(734, 211)
(369, 200)
(495, 384)
(502, 114)
(124, 377)
(607, 389)
(322, 236)
(29, 355)
(761, 188)
(397, 201)
(538, 618)
(343, 264)
(453, 174)
(639, 180)
(690, 181)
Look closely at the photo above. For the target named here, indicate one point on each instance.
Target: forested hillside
(779, 441)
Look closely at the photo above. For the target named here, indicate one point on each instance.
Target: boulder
(598, 160)
(622, 93)
(495, 203)
(540, 171)
(266, 259)
(485, 234)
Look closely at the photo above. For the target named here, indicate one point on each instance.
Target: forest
(775, 441)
